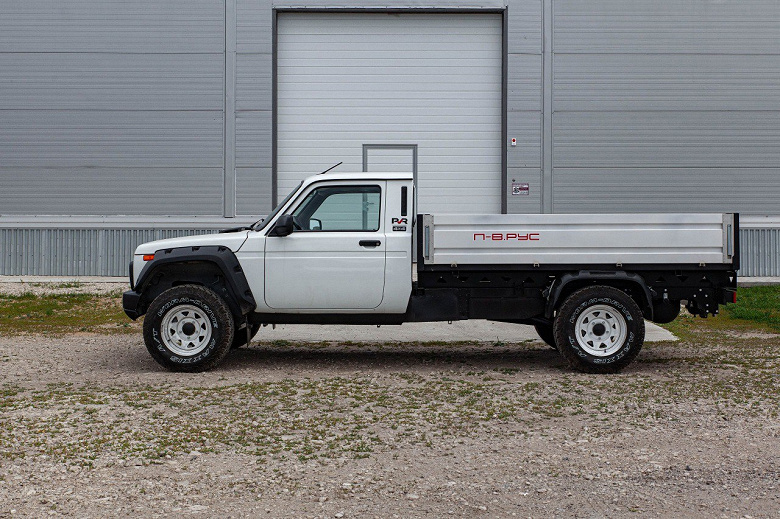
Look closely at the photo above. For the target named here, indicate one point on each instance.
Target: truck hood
(231, 240)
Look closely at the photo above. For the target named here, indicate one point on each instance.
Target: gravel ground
(39, 288)
(90, 426)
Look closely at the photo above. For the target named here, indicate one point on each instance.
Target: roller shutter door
(345, 80)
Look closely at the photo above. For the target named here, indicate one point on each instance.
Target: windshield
(260, 224)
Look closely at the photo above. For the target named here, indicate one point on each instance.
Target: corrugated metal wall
(760, 250)
(670, 105)
(75, 252)
(112, 107)
(253, 105)
(524, 104)
(140, 107)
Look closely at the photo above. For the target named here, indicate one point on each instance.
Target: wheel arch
(570, 282)
(214, 267)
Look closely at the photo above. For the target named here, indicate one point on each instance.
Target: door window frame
(336, 186)
(293, 204)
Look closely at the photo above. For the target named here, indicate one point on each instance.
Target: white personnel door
(345, 80)
(335, 258)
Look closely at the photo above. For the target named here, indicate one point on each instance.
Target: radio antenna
(332, 167)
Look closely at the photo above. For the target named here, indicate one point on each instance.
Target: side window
(340, 208)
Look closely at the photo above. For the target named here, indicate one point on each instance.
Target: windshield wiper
(237, 229)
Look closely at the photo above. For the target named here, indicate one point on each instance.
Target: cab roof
(358, 176)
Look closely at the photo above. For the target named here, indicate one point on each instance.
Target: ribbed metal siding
(93, 90)
(666, 106)
(760, 252)
(75, 252)
(253, 106)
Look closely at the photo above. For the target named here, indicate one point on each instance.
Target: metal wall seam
(229, 194)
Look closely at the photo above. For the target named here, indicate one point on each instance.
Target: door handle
(370, 243)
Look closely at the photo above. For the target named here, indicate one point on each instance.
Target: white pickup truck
(339, 250)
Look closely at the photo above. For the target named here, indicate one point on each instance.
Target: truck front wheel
(188, 328)
(599, 329)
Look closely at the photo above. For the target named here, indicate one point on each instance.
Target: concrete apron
(474, 330)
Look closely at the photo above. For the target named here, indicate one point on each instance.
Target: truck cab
(339, 245)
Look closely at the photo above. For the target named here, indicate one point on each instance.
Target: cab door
(335, 258)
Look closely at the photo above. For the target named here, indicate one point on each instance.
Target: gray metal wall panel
(524, 84)
(253, 26)
(94, 93)
(658, 82)
(125, 191)
(253, 196)
(97, 81)
(253, 82)
(526, 127)
(670, 105)
(667, 140)
(76, 138)
(253, 107)
(138, 26)
(530, 203)
(525, 26)
(253, 139)
(667, 26)
(637, 190)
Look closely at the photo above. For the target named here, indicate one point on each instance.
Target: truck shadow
(403, 356)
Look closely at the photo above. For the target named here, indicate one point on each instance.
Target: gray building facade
(122, 122)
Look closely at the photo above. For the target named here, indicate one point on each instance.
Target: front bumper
(131, 302)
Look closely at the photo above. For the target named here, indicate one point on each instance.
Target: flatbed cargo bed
(541, 240)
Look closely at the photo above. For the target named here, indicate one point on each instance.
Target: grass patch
(758, 305)
(757, 310)
(61, 313)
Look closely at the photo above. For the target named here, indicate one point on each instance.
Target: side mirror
(315, 224)
(283, 226)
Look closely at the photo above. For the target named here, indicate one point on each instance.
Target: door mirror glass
(315, 224)
(284, 226)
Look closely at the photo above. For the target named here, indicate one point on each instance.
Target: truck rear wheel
(545, 332)
(599, 329)
(188, 328)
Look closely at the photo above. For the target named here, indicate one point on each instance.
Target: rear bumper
(131, 301)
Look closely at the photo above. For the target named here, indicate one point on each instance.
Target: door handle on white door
(370, 243)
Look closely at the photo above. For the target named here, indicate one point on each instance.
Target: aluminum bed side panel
(579, 239)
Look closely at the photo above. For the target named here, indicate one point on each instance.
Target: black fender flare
(222, 257)
(594, 277)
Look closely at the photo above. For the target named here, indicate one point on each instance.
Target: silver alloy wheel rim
(175, 327)
(601, 330)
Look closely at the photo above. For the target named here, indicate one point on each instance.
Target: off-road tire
(605, 312)
(239, 335)
(204, 315)
(545, 332)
